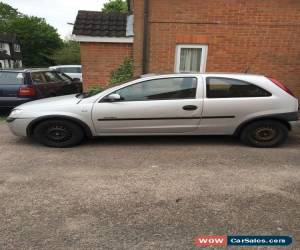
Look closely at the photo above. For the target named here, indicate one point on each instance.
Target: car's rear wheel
(58, 133)
(264, 134)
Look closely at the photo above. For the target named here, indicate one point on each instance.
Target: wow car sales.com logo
(225, 241)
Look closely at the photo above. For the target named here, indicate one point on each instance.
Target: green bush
(123, 73)
(93, 90)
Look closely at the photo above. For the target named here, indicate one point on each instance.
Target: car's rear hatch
(10, 84)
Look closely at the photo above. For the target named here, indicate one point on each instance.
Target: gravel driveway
(145, 192)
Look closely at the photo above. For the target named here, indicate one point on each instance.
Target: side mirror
(113, 97)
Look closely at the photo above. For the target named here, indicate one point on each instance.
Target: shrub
(123, 73)
(93, 90)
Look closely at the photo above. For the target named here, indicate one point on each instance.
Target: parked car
(255, 108)
(73, 71)
(20, 86)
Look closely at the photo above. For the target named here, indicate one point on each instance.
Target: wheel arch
(35, 122)
(283, 121)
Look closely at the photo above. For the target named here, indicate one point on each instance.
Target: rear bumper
(18, 126)
(12, 102)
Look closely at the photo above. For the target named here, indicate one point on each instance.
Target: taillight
(27, 91)
(282, 86)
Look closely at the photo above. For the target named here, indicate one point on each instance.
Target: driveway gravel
(145, 192)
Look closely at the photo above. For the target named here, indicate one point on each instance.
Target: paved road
(145, 193)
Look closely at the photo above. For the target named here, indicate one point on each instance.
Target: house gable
(105, 40)
(95, 26)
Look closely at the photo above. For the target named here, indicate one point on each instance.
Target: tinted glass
(232, 88)
(70, 70)
(52, 77)
(160, 89)
(64, 77)
(38, 77)
(11, 78)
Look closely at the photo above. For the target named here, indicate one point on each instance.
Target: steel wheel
(264, 134)
(58, 133)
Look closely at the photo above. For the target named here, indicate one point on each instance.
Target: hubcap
(266, 133)
(58, 133)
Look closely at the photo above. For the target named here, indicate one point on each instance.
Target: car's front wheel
(58, 133)
(264, 134)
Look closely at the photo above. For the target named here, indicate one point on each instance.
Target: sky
(56, 12)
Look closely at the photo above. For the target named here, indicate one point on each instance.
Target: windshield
(94, 90)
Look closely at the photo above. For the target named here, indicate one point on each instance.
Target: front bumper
(12, 102)
(18, 126)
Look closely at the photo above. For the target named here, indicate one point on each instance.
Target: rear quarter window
(219, 87)
(11, 78)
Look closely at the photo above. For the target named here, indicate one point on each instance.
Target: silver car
(257, 109)
(73, 71)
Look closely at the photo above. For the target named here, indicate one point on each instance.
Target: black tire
(264, 134)
(58, 133)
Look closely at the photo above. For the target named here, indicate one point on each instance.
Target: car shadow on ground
(200, 140)
(147, 140)
(293, 141)
(4, 111)
(162, 140)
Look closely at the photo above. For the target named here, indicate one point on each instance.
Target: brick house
(165, 36)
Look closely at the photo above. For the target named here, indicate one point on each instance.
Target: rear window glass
(11, 78)
(70, 70)
(218, 87)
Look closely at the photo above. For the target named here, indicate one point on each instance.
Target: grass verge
(2, 118)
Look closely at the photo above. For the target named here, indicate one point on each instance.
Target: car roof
(26, 70)
(195, 73)
(63, 66)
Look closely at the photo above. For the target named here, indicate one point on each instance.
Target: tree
(7, 13)
(69, 53)
(38, 39)
(115, 5)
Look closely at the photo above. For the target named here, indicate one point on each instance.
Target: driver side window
(160, 89)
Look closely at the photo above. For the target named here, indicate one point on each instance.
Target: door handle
(189, 107)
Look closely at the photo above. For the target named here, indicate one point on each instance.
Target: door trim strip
(165, 118)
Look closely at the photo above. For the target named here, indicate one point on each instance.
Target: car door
(71, 86)
(160, 105)
(228, 102)
(41, 85)
(56, 85)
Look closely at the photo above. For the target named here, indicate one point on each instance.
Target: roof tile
(95, 23)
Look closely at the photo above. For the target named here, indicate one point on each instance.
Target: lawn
(2, 118)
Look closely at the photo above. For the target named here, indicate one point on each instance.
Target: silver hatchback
(256, 108)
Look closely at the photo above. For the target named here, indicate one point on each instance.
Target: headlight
(15, 113)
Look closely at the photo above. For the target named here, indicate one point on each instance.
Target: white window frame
(191, 46)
